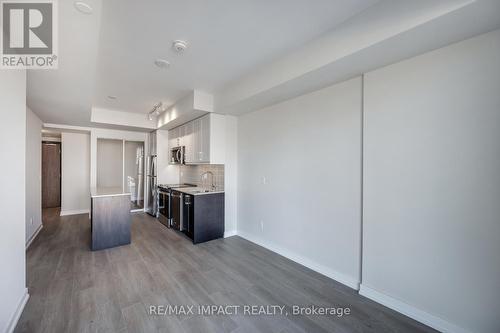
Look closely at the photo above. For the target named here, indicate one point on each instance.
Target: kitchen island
(110, 217)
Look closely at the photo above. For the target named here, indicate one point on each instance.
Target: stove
(169, 205)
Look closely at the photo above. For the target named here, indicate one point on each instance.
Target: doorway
(51, 174)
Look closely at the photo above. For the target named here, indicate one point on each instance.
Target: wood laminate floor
(75, 290)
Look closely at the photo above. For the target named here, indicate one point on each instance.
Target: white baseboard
(19, 310)
(229, 233)
(332, 274)
(34, 236)
(411, 311)
(74, 212)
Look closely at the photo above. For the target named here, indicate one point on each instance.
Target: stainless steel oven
(171, 205)
(164, 205)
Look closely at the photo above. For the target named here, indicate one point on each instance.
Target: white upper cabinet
(180, 136)
(196, 144)
(203, 139)
(204, 153)
(187, 142)
(173, 138)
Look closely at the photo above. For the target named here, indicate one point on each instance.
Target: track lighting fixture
(156, 110)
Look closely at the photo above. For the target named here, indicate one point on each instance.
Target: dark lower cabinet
(203, 216)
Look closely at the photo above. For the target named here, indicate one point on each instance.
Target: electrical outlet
(261, 225)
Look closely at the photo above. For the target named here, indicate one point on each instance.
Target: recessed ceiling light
(111, 97)
(179, 45)
(162, 63)
(83, 7)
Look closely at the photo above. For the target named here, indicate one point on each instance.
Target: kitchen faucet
(208, 173)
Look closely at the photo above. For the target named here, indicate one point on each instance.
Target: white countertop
(197, 190)
(96, 192)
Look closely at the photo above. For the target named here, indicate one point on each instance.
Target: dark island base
(110, 221)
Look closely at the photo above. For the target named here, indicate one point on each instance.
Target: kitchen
(195, 206)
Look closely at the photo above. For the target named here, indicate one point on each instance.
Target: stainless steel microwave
(177, 155)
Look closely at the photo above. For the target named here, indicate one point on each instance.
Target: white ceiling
(64, 96)
(247, 53)
(111, 52)
(388, 32)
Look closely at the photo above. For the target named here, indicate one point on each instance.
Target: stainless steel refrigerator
(152, 194)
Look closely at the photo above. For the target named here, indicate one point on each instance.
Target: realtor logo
(29, 34)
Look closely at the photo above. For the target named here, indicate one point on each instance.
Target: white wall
(109, 163)
(12, 197)
(309, 151)
(75, 162)
(33, 174)
(231, 176)
(432, 186)
(121, 118)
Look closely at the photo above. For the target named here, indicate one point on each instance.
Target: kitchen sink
(198, 190)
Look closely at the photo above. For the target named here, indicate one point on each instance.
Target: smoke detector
(83, 7)
(179, 46)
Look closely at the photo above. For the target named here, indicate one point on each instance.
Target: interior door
(51, 175)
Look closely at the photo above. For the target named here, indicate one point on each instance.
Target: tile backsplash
(191, 174)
